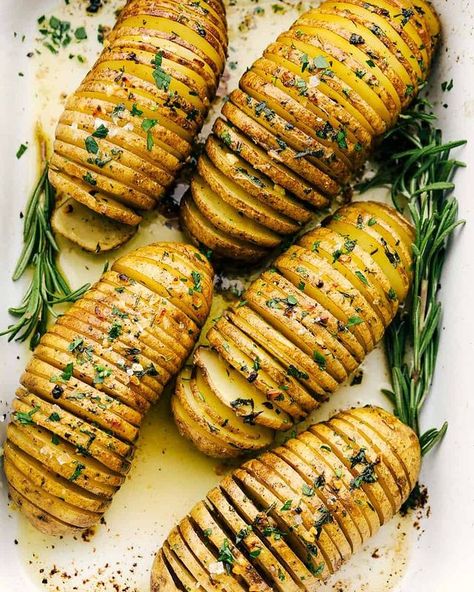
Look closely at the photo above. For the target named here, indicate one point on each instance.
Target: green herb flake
(162, 79)
(91, 145)
(226, 556)
(77, 471)
(320, 359)
(362, 277)
(25, 418)
(21, 150)
(101, 132)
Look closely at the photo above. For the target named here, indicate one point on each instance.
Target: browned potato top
(304, 119)
(93, 377)
(129, 127)
(301, 329)
(288, 519)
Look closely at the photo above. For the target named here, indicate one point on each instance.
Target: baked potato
(301, 329)
(92, 378)
(129, 127)
(304, 119)
(288, 519)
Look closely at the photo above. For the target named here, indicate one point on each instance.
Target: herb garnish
(48, 286)
(419, 170)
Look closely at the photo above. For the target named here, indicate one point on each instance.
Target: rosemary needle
(418, 168)
(48, 286)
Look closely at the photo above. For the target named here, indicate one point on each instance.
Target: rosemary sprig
(48, 286)
(419, 169)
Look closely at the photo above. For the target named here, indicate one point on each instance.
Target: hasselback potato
(93, 377)
(287, 520)
(128, 128)
(301, 329)
(304, 119)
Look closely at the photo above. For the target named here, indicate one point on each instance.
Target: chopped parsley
(77, 471)
(225, 555)
(65, 374)
(101, 373)
(147, 126)
(162, 79)
(21, 150)
(26, 418)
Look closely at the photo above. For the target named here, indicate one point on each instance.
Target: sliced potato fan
(93, 377)
(288, 519)
(304, 119)
(301, 329)
(130, 125)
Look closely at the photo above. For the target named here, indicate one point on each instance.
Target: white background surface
(169, 475)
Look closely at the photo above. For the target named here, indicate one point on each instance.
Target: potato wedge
(295, 513)
(93, 377)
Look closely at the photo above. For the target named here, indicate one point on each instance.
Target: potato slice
(291, 396)
(347, 452)
(301, 541)
(388, 232)
(380, 250)
(263, 163)
(244, 532)
(204, 441)
(105, 448)
(254, 183)
(251, 370)
(193, 401)
(248, 204)
(44, 500)
(270, 144)
(371, 21)
(184, 295)
(208, 558)
(297, 363)
(280, 311)
(88, 229)
(203, 232)
(326, 331)
(186, 558)
(217, 537)
(326, 127)
(262, 522)
(228, 219)
(80, 399)
(384, 451)
(370, 454)
(40, 519)
(95, 200)
(313, 473)
(237, 393)
(300, 143)
(400, 438)
(179, 571)
(321, 285)
(340, 474)
(328, 533)
(226, 418)
(37, 444)
(357, 267)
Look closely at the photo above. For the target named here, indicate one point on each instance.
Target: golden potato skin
(301, 329)
(288, 519)
(304, 119)
(129, 127)
(92, 378)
